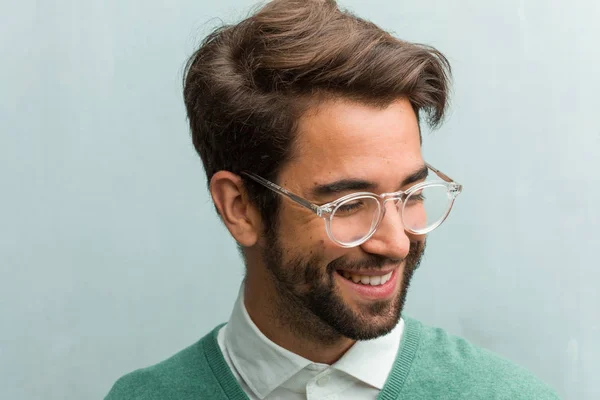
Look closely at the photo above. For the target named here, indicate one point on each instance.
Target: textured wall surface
(111, 256)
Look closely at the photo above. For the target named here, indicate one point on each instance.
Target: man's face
(316, 280)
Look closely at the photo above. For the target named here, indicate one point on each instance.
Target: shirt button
(324, 380)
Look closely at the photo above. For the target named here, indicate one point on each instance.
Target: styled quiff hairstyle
(248, 84)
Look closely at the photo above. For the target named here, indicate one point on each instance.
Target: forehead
(341, 139)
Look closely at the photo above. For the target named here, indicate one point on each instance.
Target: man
(307, 121)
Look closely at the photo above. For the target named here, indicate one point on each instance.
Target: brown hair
(248, 84)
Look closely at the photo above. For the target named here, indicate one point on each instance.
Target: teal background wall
(111, 257)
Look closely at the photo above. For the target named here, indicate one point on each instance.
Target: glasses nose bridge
(395, 197)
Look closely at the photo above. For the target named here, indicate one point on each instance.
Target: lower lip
(379, 292)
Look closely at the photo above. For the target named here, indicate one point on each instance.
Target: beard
(309, 304)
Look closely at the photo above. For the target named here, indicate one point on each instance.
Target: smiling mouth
(367, 280)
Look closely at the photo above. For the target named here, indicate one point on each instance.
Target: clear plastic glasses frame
(327, 211)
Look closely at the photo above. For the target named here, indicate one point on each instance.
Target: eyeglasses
(352, 219)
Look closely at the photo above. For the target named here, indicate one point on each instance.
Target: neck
(286, 325)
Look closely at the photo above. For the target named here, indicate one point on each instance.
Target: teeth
(367, 279)
(386, 277)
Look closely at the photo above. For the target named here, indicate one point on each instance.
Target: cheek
(300, 226)
(304, 234)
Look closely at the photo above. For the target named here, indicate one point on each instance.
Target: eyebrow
(347, 185)
(416, 176)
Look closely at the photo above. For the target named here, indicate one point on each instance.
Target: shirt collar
(264, 365)
(371, 361)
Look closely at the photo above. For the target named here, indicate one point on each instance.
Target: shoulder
(469, 370)
(185, 375)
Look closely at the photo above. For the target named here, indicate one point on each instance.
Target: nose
(390, 239)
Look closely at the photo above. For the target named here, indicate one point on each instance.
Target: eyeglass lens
(355, 219)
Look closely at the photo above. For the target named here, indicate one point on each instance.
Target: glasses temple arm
(284, 192)
(440, 173)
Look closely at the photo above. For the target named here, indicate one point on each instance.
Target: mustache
(376, 261)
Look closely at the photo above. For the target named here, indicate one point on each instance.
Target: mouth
(363, 279)
(375, 285)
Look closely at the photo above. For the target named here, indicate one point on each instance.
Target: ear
(232, 202)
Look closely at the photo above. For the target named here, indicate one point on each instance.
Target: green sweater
(430, 365)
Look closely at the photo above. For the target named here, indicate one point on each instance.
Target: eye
(418, 197)
(415, 198)
(350, 207)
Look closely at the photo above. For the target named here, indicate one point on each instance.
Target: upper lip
(369, 272)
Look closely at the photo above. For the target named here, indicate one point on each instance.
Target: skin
(287, 269)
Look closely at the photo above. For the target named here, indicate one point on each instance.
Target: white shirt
(267, 371)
